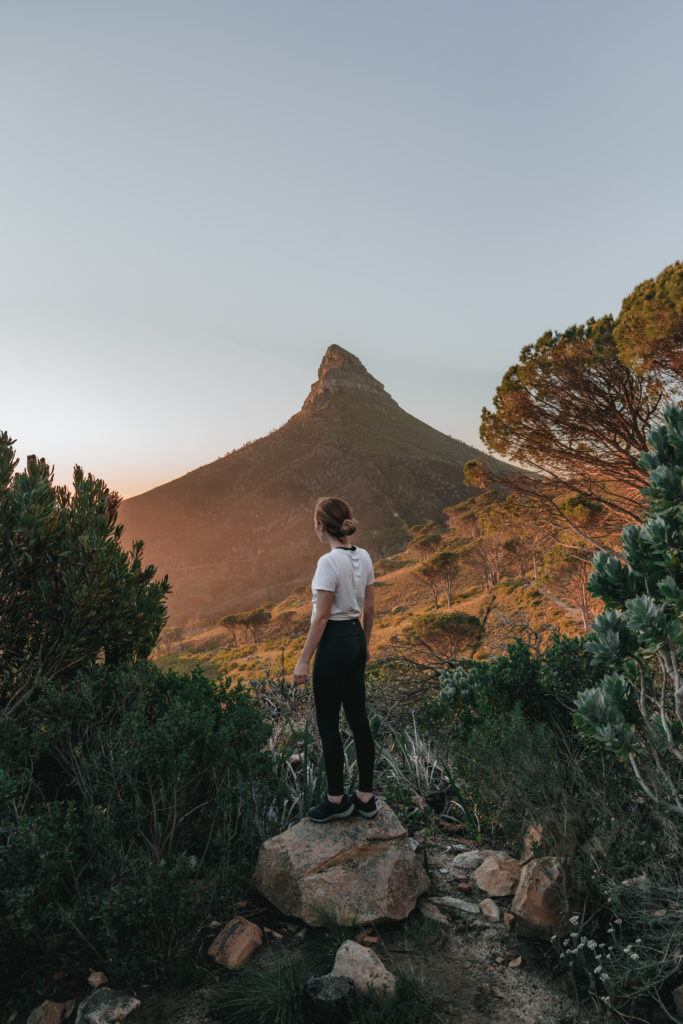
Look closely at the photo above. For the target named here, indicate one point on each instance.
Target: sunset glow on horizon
(200, 200)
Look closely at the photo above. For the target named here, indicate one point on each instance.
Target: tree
(575, 413)
(70, 595)
(649, 330)
(425, 545)
(446, 565)
(435, 638)
(429, 577)
(637, 710)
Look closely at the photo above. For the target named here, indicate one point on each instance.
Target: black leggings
(339, 679)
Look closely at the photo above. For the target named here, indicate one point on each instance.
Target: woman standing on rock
(343, 594)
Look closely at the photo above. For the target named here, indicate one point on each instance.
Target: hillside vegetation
(526, 673)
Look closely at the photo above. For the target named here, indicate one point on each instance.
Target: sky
(198, 197)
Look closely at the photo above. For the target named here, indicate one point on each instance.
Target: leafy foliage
(579, 404)
(128, 812)
(637, 711)
(70, 595)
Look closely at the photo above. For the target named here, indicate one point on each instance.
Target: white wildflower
(592, 944)
(574, 919)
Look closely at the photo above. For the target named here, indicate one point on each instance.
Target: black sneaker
(327, 811)
(366, 808)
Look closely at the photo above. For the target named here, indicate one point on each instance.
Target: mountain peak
(341, 371)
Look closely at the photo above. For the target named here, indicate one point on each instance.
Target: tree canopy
(70, 595)
(578, 406)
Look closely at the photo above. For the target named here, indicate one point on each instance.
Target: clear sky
(199, 197)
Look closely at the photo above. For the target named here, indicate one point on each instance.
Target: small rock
(469, 860)
(508, 919)
(490, 910)
(498, 875)
(236, 943)
(97, 978)
(464, 887)
(443, 871)
(538, 904)
(51, 1013)
(104, 1006)
(365, 969)
(517, 962)
(453, 903)
(326, 993)
(427, 909)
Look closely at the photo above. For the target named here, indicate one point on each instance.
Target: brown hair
(335, 516)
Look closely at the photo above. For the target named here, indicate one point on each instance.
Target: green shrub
(130, 809)
(637, 709)
(70, 595)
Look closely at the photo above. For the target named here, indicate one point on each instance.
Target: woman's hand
(300, 672)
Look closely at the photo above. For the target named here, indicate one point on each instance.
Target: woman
(343, 593)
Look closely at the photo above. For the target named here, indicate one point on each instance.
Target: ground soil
(464, 969)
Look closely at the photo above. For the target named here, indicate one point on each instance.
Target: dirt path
(465, 971)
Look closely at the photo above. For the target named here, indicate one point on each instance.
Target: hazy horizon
(200, 200)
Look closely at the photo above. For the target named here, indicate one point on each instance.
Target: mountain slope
(238, 532)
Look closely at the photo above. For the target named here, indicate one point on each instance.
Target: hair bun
(347, 527)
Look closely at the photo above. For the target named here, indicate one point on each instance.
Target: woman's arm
(368, 614)
(323, 607)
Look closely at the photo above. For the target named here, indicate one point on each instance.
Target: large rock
(538, 904)
(355, 871)
(498, 875)
(365, 969)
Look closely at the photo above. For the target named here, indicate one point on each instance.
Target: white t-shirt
(346, 572)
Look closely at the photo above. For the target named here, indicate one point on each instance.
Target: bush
(637, 710)
(70, 595)
(130, 808)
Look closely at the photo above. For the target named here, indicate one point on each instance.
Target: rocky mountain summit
(341, 371)
(236, 534)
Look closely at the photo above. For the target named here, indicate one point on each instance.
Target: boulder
(235, 944)
(365, 969)
(354, 871)
(105, 1006)
(498, 875)
(538, 905)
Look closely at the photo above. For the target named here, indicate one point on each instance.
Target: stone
(508, 919)
(471, 859)
(97, 978)
(498, 875)
(533, 840)
(353, 871)
(106, 1005)
(326, 998)
(538, 906)
(51, 1013)
(236, 943)
(426, 909)
(365, 969)
(453, 903)
(516, 962)
(490, 910)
